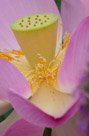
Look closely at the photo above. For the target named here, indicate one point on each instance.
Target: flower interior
(37, 35)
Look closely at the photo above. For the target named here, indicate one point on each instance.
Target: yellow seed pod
(36, 34)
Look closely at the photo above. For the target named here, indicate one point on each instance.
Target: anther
(21, 25)
(39, 19)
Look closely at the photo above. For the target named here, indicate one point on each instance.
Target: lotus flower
(48, 107)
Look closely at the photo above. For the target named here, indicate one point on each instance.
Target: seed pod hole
(45, 21)
(29, 17)
(22, 20)
(28, 20)
(20, 23)
(26, 26)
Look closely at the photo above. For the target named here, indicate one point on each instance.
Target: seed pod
(36, 34)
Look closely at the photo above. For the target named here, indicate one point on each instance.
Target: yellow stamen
(15, 52)
(59, 30)
(10, 54)
(66, 39)
(42, 72)
(5, 56)
(58, 53)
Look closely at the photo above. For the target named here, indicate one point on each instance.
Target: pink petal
(34, 115)
(7, 122)
(23, 128)
(69, 128)
(72, 12)
(4, 107)
(10, 77)
(76, 58)
(86, 6)
(10, 10)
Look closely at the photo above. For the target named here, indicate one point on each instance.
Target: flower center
(43, 72)
(37, 36)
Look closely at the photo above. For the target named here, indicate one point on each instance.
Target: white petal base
(52, 101)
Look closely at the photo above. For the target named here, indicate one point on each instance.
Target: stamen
(42, 72)
(58, 53)
(66, 39)
(59, 30)
(10, 54)
(5, 56)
